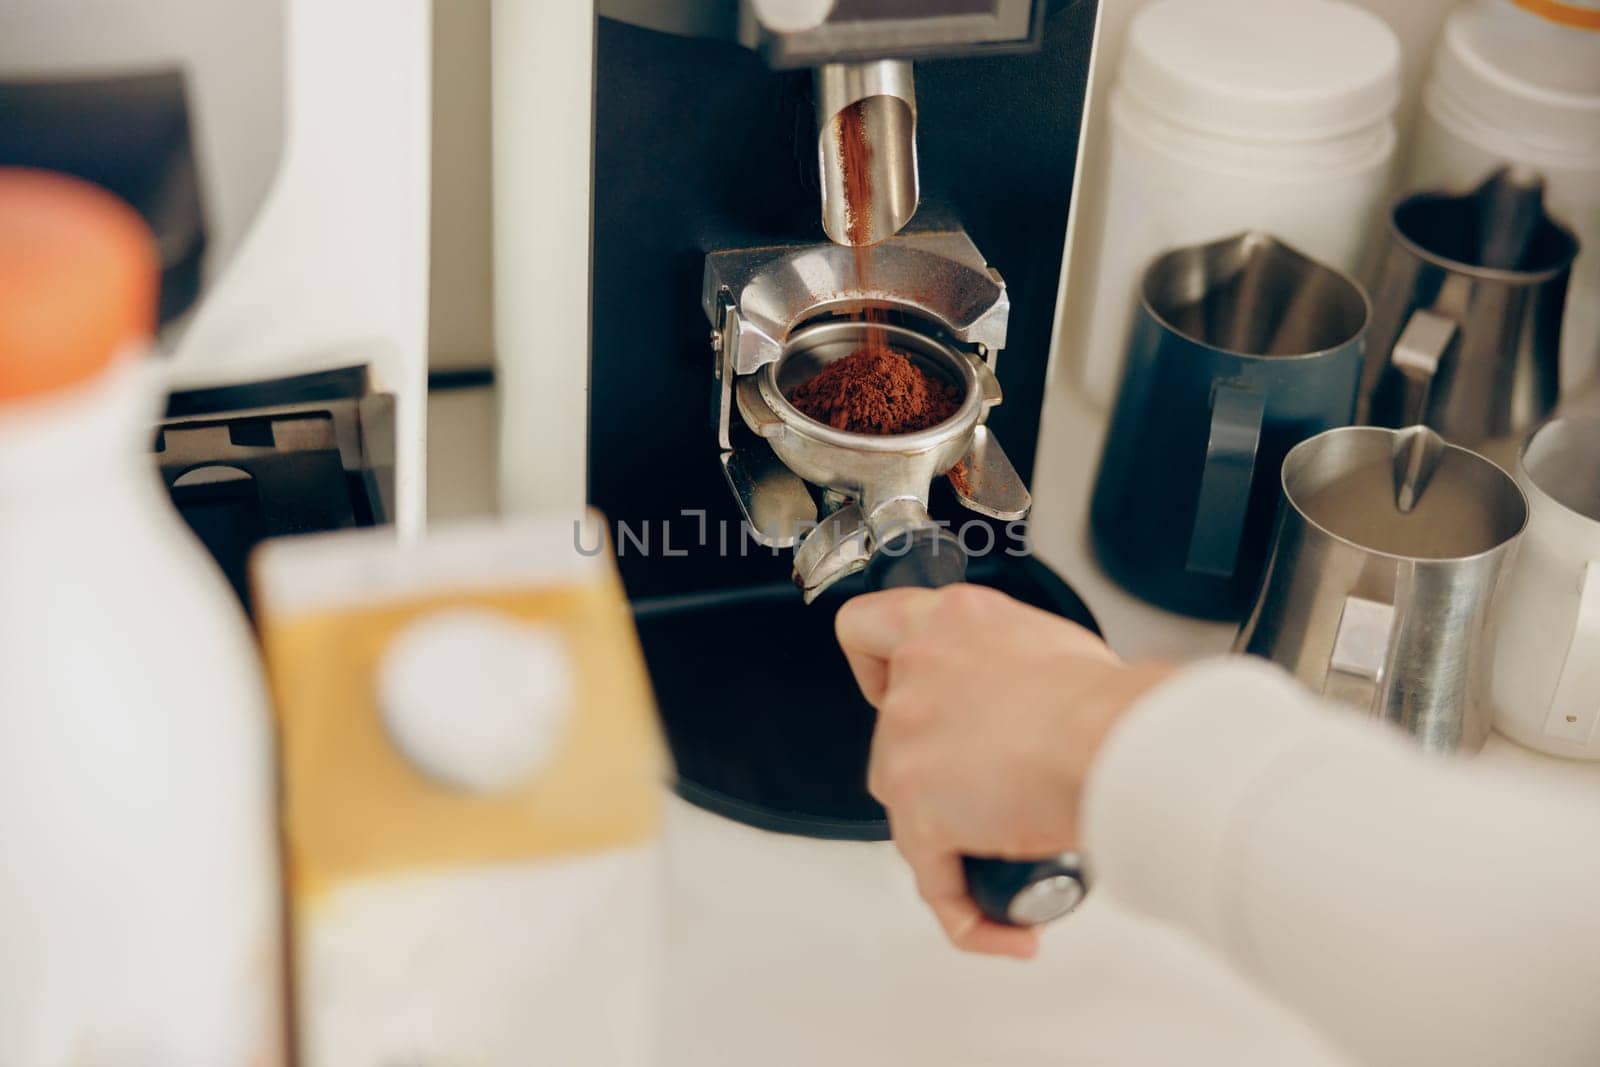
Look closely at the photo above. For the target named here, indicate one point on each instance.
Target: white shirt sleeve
(1418, 910)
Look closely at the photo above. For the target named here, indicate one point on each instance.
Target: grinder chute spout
(867, 149)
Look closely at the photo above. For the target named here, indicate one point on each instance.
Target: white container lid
(1284, 70)
(1536, 80)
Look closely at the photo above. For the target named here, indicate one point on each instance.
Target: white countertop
(785, 951)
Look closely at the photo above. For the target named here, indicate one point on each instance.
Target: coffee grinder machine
(718, 205)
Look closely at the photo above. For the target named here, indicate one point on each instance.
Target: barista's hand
(989, 715)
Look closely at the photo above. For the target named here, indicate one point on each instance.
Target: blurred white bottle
(139, 889)
(1518, 81)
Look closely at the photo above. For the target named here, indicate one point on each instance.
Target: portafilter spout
(867, 149)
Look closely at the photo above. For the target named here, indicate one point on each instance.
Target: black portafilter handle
(1013, 892)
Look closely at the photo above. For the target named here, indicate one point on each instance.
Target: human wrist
(1091, 718)
(1109, 701)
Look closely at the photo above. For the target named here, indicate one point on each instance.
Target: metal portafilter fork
(881, 524)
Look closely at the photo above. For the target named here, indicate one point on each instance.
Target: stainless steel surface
(988, 483)
(839, 546)
(1046, 900)
(897, 517)
(724, 334)
(1253, 295)
(775, 503)
(1422, 346)
(1384, 607)
(939, 275)
(1360, 651)
(1416, 458)
(875, 103)
(1492, 265)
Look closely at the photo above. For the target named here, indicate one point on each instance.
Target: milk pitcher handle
(1576, 704)
(1236, 416)
(1417, 354)
(1360, 662)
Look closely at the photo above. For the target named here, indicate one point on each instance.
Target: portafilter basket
(872, 469)
(885, 478)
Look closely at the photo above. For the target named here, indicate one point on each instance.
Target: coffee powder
(876, 391)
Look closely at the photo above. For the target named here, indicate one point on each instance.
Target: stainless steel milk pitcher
(1467, 312)
(1379, 593)
(1240, 349)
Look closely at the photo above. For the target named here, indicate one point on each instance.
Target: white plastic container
(1237, 114)
(1510, 85)
(139, 889)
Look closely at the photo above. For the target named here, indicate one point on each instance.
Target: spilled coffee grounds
(876, 390)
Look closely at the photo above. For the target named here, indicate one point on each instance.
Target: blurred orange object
(79, 281)
(1578, 16)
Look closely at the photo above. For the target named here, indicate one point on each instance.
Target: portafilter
(879, 484)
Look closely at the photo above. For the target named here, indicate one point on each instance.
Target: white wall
(543, 136)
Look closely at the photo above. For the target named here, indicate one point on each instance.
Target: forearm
(1419, 913)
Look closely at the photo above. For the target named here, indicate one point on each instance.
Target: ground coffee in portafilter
(876, 391)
